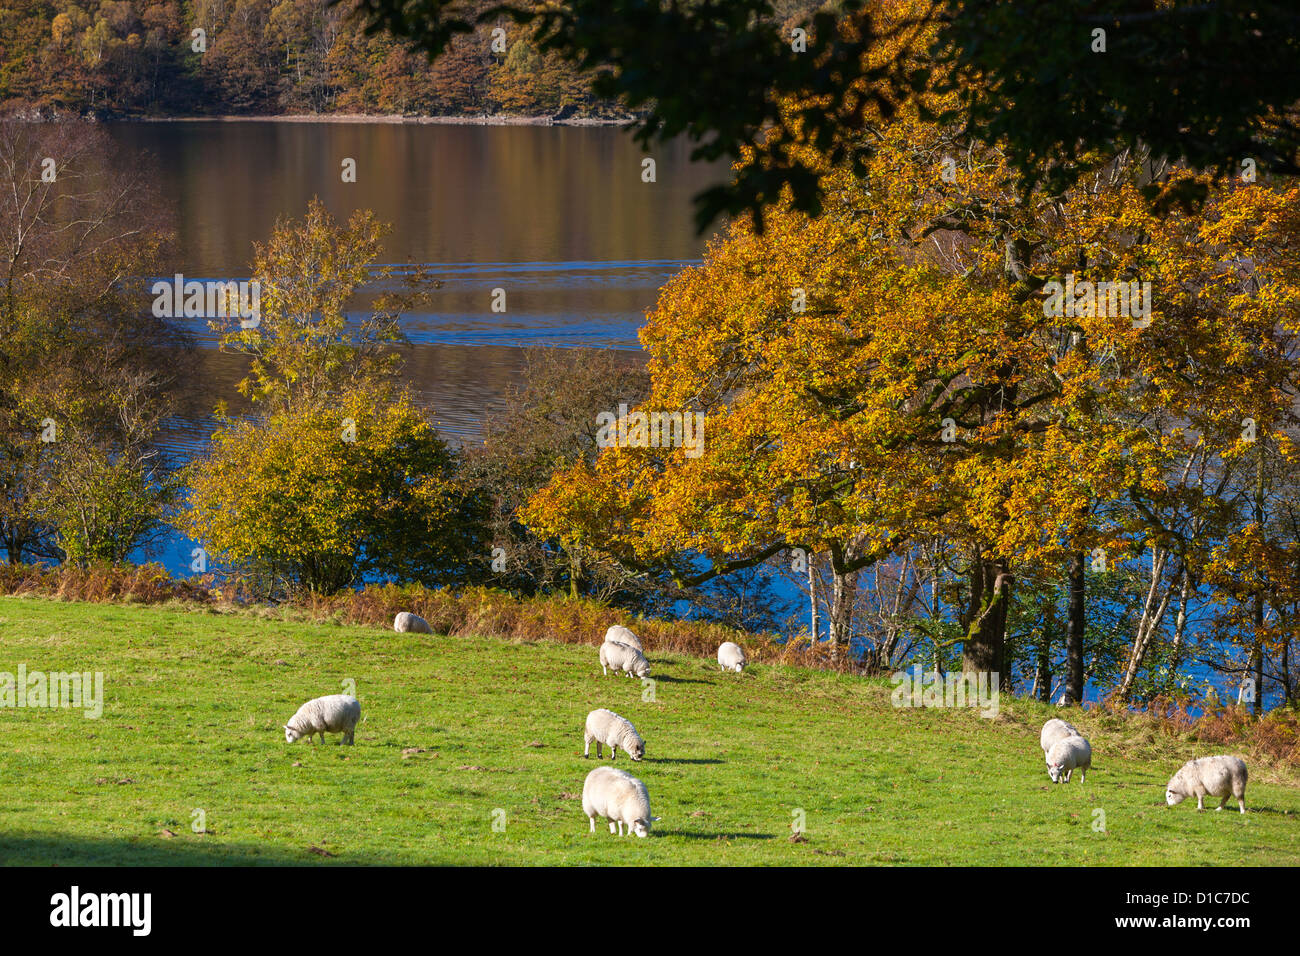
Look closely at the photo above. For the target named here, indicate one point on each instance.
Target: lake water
(558, 216)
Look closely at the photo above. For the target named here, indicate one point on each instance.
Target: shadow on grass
(46, 849)
(679, 760)
(717, 836)
(1250, 808)
(679, 680)
(1230, 808)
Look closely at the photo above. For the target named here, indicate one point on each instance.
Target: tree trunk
(1180, 624)
(1288, 694)
(843, 595)
(1043, 672)
(1075, 626)
(1257, 656)
(814, 625)
(1153, 613)
(575, 574)
(986, 618)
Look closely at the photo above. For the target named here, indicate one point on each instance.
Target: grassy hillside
(457, 728)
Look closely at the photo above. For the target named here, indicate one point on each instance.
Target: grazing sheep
(623, 658)
(406, 622)
(620, 798)
(605, 726)
(1067, 755)
(337, 713)
(622, 635)
(1054, 730)
(731, 657)
(1220, 776)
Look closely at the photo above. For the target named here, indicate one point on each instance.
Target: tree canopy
(1212, 84)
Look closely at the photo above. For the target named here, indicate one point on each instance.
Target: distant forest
(137, 57)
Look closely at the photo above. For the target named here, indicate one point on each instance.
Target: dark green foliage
(1211, 84)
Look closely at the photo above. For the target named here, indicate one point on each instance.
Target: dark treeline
(144, 57)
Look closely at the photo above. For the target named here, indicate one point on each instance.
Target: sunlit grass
(459, 733)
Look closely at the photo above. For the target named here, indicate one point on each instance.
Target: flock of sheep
(1067, 750)
(623, 800)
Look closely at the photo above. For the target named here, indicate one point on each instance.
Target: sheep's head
(641, 669)
(1174, 797)
(290, 735)
(1056, 771)
(636, 749)
(642, 827)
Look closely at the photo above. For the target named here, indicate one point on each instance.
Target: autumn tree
(903, 366)
(340, 478)
(547, 424)
(322, 496)
(87, 372)
(304, 346)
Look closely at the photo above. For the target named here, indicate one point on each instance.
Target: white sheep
(605, 726)
(1054, 730)
(622, 635)
(620, 798)
(731, 657)
(623, 657)
(1219, 776)
(1067, 755)
(337, 713)
(406, 622)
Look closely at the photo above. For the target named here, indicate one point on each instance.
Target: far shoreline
(485, 119)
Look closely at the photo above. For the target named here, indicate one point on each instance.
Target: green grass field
(458, 734)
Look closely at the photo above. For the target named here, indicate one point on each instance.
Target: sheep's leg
(613, 751)
(1241, 802)
(1222, 803)
(1083, 774)
(1200, 801)
(586, 746)
(592, 821)
(611, 826)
